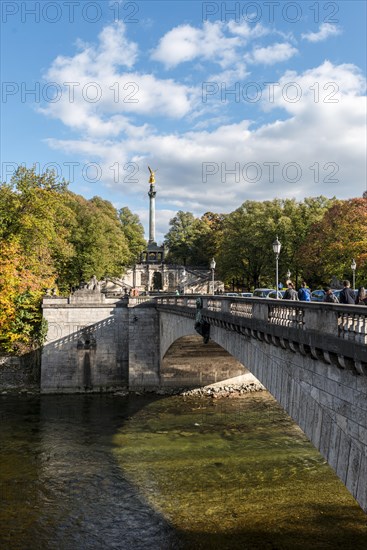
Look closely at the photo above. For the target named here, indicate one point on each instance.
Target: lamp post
(212, 267)
(276, 248)
(354, 267)
(183, 279)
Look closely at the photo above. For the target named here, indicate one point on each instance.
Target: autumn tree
(334, 241)
(21, 291)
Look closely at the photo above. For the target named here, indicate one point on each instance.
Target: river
(85, 472)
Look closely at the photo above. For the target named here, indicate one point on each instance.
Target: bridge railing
(352, 325)
(347, 322)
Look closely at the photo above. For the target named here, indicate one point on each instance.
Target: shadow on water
(63, 488)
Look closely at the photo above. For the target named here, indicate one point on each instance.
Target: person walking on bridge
(347, 295)
(304, 293)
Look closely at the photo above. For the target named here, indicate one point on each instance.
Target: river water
(146, 472)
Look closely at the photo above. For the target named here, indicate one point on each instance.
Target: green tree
(33, 211)
(133, 232)
(181, 237)
(208, 239)
(249, 231)
(247, 242)
(100, 246)
(194, 241)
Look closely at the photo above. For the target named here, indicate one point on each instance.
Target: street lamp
(212, 267)
(353, 267)
(276, 248)
(183, 279)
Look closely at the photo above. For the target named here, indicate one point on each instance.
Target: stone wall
(144, 357)
(96, 343)
(20, 373)
(87, 344)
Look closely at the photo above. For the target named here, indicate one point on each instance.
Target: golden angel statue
(152, 175)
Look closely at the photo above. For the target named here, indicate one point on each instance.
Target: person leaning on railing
(290, 293)
(330, 296)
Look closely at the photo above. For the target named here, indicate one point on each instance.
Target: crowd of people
(346, 295)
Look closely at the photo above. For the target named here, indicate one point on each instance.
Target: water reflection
(61, 486)
(96, 472)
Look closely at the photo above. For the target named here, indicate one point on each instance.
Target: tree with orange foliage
(334, 242)
(21, 293)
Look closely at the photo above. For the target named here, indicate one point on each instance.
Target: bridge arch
(189, 363)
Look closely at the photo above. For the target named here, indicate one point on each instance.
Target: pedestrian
(290, 293)
(304, 293)
(330, 296)
(361, 298)
(347, 295)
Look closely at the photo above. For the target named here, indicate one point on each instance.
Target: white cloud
(219, 42)
(97, 97)
(235, 73)
(317, 89)
(247, 31)
(186, 43)
(113, 49)
(269, 55)
(325, 30)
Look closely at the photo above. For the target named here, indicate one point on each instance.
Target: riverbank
(232, 387)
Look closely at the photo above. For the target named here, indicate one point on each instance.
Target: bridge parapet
(336, 333)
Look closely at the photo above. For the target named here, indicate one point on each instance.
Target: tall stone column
(152, 193)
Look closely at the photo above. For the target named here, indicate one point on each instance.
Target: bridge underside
(189, 363)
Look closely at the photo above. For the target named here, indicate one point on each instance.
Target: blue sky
(229, 101)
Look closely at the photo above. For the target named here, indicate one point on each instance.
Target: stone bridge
(311, 357)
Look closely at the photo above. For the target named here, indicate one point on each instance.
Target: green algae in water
(237, 473)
